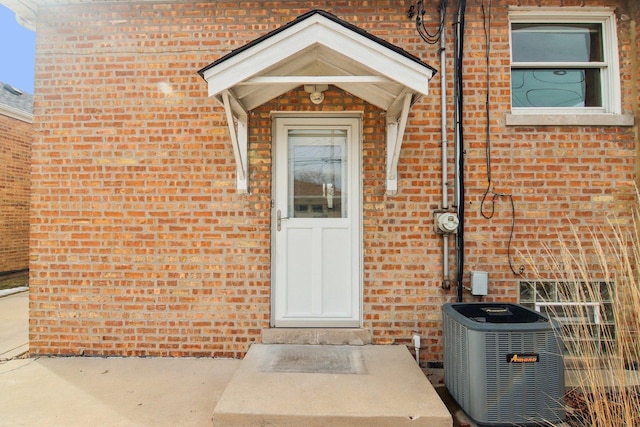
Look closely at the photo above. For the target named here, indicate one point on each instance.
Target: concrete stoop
(329, 385)
(318, 336)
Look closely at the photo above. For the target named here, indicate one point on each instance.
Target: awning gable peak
(318, 48)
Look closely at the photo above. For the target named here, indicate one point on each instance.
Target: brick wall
(141, 245)
(634, 9)
(15, 147)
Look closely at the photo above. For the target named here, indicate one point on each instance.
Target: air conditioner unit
(503, 364)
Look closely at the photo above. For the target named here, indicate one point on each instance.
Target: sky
(17, 52)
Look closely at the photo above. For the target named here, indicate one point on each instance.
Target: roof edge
(332, 18)
(16, 113)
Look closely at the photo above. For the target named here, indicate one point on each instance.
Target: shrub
(602, 269)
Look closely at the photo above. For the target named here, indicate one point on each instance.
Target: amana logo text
(523, 358)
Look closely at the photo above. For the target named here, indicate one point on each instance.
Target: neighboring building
(169, 135)
(16, 133)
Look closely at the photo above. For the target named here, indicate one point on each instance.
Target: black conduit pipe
(459, 147)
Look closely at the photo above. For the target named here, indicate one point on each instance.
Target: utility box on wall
(479, 283)
(503, 363)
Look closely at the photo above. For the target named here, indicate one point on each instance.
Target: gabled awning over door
(318, 49)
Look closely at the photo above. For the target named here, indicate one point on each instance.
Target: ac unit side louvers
(503, 364)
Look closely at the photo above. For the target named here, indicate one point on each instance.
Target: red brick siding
(141, 245)
(634, 53)
(15, 149)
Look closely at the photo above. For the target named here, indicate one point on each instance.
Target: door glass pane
(317, 173)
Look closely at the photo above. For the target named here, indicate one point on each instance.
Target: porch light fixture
(316, 92)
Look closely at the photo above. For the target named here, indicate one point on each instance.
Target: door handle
(279, 219)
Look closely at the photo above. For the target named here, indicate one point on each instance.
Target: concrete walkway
(14, 325)
(80, 391)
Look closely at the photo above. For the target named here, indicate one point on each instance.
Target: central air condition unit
(503, 364)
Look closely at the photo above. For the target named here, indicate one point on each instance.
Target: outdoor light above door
(316, 92)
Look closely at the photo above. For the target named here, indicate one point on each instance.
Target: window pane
(556, 88)
(317, 173)
(556, 43)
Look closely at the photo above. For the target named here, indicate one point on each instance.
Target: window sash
(556, 88)
(572, 42)
(609, 85)
(601, 65)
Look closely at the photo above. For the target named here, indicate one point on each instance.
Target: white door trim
(353, 122)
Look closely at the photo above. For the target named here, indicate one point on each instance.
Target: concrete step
(329, 385)
(319, 336)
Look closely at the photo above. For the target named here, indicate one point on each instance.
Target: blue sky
(17, 47)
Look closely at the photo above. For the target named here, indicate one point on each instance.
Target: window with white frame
(564, 61)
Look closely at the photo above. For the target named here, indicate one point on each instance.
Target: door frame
(300, 117)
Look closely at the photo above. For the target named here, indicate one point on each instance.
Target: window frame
(609, 68)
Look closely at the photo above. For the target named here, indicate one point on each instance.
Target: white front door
(317, 244)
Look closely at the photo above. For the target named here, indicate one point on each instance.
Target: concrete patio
(324, 382)
(281, 386)
(124, 392)
(277, 384)
(330, 385)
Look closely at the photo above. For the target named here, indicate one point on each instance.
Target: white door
(317, 261)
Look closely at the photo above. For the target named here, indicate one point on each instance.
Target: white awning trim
(310, 80)
(395, 134)
(318, 48)
(237, 117)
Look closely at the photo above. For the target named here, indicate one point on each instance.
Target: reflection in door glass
(317, 173)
